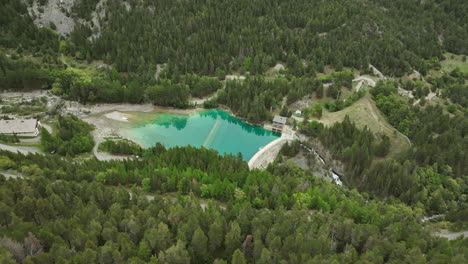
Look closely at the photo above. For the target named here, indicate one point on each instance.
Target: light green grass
(364, 113)
(453, 61)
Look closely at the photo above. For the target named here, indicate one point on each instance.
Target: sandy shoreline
(113, 120)
(130, 113)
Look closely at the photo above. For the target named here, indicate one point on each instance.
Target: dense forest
(64, 214)
(215, 38)
(187, 42)
(206, 37)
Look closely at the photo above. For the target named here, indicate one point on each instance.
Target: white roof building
(278, 123)
(280, 119)
(21, 127)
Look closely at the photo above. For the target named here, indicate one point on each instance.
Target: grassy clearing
(93, 68)
(364, 112)
(453, 61)
(328, 69)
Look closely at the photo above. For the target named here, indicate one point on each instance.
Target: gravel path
(22, 150)
(452, 235)
(298, 119)
(10, 175)
(368, 80)
(99, 137)
(200, 101)
(377, 72)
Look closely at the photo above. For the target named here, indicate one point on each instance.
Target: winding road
(103, 156)
(20, 149)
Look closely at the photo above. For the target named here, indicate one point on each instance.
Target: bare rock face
(58, 15)
(54, 12)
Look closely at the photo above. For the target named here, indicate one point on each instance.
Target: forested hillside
(255, 58)
(190, 39)
(242, 35)
(69, 212)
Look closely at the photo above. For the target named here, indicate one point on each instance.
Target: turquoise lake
(215, 129)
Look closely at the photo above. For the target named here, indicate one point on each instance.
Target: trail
(12, 174)
(452, 235)
(201, 100)
(22, 150)
(362, 79)
(377, 72)
(103, 156)
(214, 129)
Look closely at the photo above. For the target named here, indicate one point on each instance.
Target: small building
(278, 123)
(20, 127)
(298, 112)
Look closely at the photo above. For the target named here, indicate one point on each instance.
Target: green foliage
(146, 184)
(73, 137)
(78, 215)
(84, 8)
(201, 86)
(169, 94)
(6, 163)
(421, 125)
(292, 149)
(382, 148)
(25, 108)
(429, 174)
(340, 104)
(398, 112)
(317, 110)
(253, 98)
(120, 147)
(235, 39)
(211, 103)
(238, 258)
(285, 112)
(281, 206)
(452, 108)
(453, 88)
(9, 138)
(22, 74)
(17, 29)
(312, 129)
(351, 145)
(200, 246)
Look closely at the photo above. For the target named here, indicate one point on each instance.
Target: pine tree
(238, 257)
(200, 245)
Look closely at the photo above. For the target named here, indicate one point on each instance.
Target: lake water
(213, 129)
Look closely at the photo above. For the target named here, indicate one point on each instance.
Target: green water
(213, 129)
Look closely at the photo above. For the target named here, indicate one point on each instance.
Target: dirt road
(20, 149)
(11, 174)
(452, 235)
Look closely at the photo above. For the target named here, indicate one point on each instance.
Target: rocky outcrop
(53, 13)
(57, 14)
